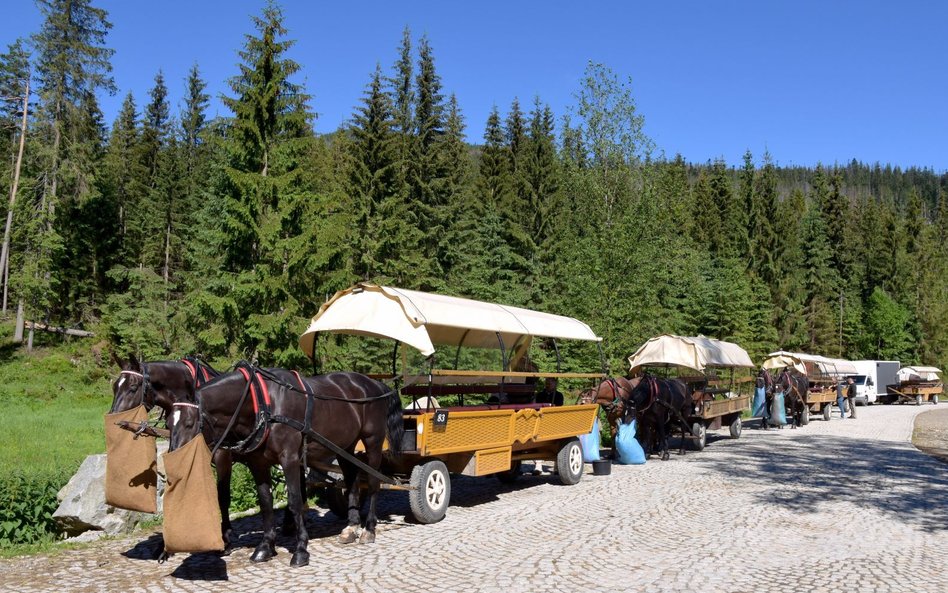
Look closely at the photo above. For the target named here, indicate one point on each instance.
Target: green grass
(53, 404)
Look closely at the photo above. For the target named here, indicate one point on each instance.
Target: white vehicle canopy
(696, 353)
(425, 320)
(922, 373)
(811, 365)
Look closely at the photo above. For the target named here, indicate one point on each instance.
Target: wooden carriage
(916, 384)
(496, 422)
(719, 395)
(823, 374)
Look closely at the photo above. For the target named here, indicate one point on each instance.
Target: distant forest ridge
(169, 232)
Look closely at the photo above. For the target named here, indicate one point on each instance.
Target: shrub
(243, 491)
(27, 504)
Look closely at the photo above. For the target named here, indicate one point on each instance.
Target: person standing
(851, 397)
(841, 400)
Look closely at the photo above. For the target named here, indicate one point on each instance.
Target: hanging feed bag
(192, 514)
(131, 477)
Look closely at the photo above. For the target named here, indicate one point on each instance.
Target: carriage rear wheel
(918, 399)
(510, 476)
(828, 411)
(430, 491)
(701, 436)
(569, 462)
(935, 400)
(736, 428)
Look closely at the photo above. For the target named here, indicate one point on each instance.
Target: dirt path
(931, 433)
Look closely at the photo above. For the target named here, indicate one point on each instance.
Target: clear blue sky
(809, 81)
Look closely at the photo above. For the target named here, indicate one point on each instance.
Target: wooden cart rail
(523, 374)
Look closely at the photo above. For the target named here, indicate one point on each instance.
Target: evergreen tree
(763, 211)
(72, 64)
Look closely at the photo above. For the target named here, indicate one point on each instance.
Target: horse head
(128, 390)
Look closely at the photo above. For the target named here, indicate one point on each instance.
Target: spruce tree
(763, 211)
(72, 65)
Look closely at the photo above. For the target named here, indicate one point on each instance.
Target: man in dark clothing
(851, 397)
(550, 395)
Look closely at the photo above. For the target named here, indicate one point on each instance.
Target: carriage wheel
(701, 436)
(935, 399)
(828, 411)
(569, 462)
(736, 428)
(510, 476)
(805, 416)
(918, 399)
(431, 491)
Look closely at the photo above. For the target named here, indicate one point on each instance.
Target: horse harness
(256, 387)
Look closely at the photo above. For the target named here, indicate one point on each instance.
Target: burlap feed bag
(131, 477)
(192, 514)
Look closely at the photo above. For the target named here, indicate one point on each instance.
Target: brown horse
(265, 429)
(795, 389)
(657, 404)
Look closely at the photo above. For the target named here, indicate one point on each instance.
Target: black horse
(795, 389)
(657, 404)
(162, 384)
(264, 428)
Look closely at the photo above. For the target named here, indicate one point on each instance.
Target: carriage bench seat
(481, 407)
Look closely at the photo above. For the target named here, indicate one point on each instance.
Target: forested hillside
(171, 233)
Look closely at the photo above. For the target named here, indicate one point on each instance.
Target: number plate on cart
(440, 419)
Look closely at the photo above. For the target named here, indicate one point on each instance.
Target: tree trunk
(5, 252)
(18, 330)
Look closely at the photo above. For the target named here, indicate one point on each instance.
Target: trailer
(719, 396)
(916, 384)
(494, 422)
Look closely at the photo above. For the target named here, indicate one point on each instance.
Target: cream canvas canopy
(423, 320)
(695, 353)
(820, 365)
(923, 373)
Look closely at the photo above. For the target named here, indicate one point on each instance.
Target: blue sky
(809, 81)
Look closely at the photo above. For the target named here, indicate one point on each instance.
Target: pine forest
(169, 232)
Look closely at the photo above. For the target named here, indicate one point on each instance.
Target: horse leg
(265, 549)
(663, 440)
(350, 475)
(224, 465)
(374, 459)
(289, 521)
(294, 496)
(684, 429)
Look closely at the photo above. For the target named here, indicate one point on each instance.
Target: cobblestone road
(834, 506)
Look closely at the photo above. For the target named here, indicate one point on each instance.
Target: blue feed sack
(778, 409)
(591, 443)
(760, 403)
(628, 448)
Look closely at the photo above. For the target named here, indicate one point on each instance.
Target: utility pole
(840, 322)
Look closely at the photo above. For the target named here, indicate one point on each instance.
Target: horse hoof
(261, 554)
(665, 456)
(300, 559)
(349, 535)
(367, 537)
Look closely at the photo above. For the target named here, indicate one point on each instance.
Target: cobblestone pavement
(834, 506)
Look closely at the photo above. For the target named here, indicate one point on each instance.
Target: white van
(872, 379)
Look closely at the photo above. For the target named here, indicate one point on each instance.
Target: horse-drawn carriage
(916, 384)
(496, 423)
(717, 400)
(822, 374)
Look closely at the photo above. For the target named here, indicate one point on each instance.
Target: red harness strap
(191, 368)
(256, 395)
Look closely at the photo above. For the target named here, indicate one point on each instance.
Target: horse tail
(394, 424)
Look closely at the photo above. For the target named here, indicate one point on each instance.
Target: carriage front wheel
(700, 436)
(918, 399)
(805, 415)
(430, 491)
(736, 428)
(935, 400)
(569, 462)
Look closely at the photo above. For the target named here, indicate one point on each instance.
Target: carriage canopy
(923, 373)
(696, 353)
(810, 364)
(423, 320)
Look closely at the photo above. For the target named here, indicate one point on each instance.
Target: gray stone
(82, 503)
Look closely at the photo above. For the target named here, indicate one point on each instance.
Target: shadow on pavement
(207, 566)
(890, 477)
